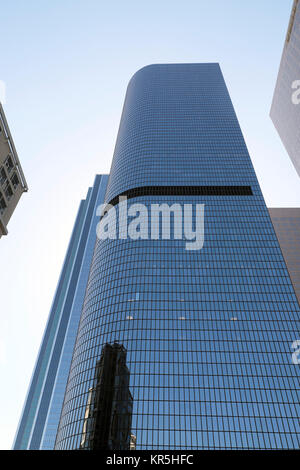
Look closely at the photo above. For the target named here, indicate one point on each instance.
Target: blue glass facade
(207, 333)
(40, 417)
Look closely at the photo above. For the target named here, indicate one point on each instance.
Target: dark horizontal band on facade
(184, 191)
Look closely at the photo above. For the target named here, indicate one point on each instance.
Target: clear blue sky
(66, 65)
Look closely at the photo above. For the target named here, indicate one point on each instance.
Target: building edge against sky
(208, 334)
(12, 179)
(285, 109)
(39, 420)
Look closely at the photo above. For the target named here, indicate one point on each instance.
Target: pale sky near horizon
(66, 65)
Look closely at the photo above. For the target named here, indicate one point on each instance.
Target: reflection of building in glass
(286, 223)
(208, 333)
(107, 423)
(12, 180)
(285, 110)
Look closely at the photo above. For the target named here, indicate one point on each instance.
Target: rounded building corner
(142, 69)
(157, 65)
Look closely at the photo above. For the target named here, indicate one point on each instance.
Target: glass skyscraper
(40, 417)
(208, 332)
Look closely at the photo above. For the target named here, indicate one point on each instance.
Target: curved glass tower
(187, 348)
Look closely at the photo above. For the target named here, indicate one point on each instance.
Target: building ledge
(3, 229)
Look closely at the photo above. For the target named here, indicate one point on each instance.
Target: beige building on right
(285, 109)
(12, 180)
(286, 222)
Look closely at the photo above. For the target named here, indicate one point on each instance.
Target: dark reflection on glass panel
(107, 421)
